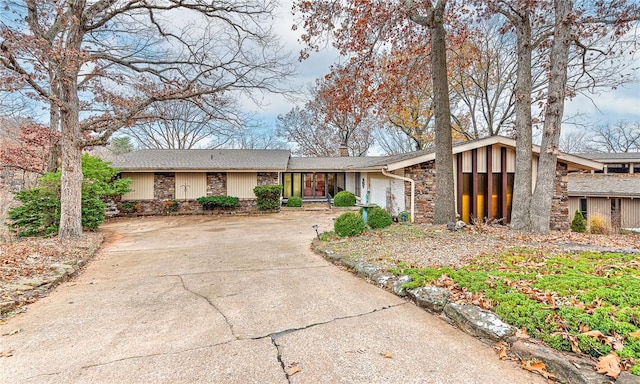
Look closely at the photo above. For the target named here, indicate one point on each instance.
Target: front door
(314, 185)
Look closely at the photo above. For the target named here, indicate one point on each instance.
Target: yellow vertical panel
(466, 208)
(466, 162)
(482, 160)
(630, 212)
(142, 186)
(190, 185)
(496, 158)
(511, 160)
(241, 184)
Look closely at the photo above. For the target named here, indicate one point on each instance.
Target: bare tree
(102, 64)
(183, 125)
(623, 136)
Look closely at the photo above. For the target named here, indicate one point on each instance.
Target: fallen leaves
(292, 369)
(7, 353)
(609, 365)
(538, 367)
(387, 355)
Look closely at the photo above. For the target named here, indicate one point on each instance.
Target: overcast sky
(611, 106)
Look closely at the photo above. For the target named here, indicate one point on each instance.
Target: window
(583, 207)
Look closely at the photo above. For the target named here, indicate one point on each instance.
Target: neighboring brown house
(612, 193)
(483, 181)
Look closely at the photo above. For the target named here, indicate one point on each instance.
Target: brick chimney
(343, 150)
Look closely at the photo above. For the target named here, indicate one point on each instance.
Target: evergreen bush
(212, 202)
(268, 196)
(344, 199)
(39, 214)
(294, 201)
(349, 224)
(579, 223)
(377, 217)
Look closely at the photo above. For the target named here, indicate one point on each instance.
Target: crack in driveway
(275, 335)
(210, 302)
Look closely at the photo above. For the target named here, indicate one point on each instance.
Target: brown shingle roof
(612, 185)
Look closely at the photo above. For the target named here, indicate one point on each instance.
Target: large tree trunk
(522, 187)
(445, 210)
(71, 180)
(541, 201)
(72, 138)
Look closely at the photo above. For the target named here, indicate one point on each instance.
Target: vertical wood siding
(142, 186)
(481, 155)
(241, 184)
(630, 211)
(196, 183)
(599, 206)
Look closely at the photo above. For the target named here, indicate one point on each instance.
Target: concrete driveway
(234, 300)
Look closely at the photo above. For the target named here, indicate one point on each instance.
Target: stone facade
(425, 182)
(268, 178)
(559, 220)
(424, 175)
(175, 207)
(217, 184)
(164, 202)
(164, 186)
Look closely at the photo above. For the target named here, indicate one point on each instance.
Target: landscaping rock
(365, 269)
(397, 286)
(384, 279)
(567, 368)
(627, 378)
(432, 298)
(480, 323)
(63, 269)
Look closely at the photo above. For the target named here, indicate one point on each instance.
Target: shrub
(294, 201)
(579, 223)
(268, 196)
(39, 214)
(212, 202)
(377, 217)
(597, 225)
(344, 199)
(349, 224)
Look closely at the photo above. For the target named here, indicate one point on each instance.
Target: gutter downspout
(413, 189)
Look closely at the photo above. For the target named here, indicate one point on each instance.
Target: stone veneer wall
(559, 220)
(164, 196)
(268, 178)
(424, 175)
(425, 181)
(164, 186)
(217, 184)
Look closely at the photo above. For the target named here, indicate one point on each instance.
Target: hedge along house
(484, 174)
(612, 194)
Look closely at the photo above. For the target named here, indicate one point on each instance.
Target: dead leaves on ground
(7, 353)
(537, 367)
(609, 365)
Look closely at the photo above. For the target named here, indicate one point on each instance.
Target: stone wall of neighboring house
(559, 220)
(164, 186)
(268, 178)
(424, 175)
(217, 184)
